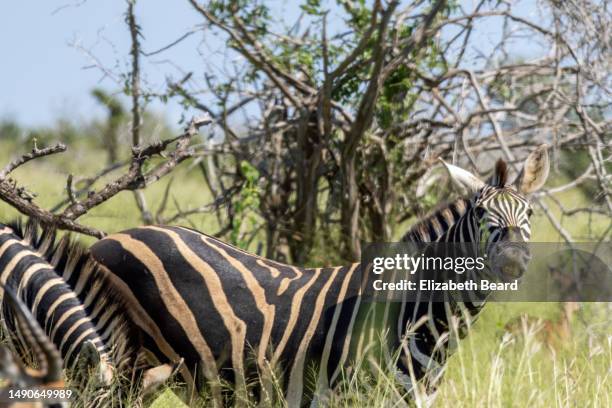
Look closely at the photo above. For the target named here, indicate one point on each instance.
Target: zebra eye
(529, 212)
(480, 212)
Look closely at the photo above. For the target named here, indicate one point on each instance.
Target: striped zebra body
(67, 295)
(229, 313)
(233, 314)
(219, 308)
(16, 375)
(181, 288)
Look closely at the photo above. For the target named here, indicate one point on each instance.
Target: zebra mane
(61, 254)
(437, 222)
(41, 239)
(71, 260)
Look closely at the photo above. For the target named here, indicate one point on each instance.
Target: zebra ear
(535, 171)
(463, 179)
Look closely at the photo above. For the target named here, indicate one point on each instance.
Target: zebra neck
(437, 224)
(424, 329)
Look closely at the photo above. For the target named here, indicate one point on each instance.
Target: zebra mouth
(512, 271)
(510, 261)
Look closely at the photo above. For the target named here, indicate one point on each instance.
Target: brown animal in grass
(553, 334)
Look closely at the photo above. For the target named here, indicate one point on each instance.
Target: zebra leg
(323, 390)
(156, 376)
(89, 357)
(321, 397)
(9, 367)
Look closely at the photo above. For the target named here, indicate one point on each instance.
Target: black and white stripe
(66, 293)
(49, 370)
(495, 213)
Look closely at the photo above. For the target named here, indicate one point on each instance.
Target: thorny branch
(134, 178)
(34, 154)
(141, 202)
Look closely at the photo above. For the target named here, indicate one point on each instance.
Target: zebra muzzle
(510, 261)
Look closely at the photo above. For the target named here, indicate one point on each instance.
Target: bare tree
(116, 116)
(348, 125)
(328, 129)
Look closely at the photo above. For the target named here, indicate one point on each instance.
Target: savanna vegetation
(325, 134)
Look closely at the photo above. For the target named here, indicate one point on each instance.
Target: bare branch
(70, 190)
(34, 154)
(135, 74)
(135, 178)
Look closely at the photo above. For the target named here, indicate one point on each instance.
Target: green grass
(492, 370)
(489, 368)
(167, 399)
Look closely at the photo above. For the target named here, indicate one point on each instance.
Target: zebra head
(499, 212)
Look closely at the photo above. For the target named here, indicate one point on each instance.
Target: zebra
(66, 292)
(75, 307)
(196, 298)
(49, 373)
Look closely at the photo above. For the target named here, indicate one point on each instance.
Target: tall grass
(495, 368)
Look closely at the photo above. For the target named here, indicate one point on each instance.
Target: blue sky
(45, 74)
